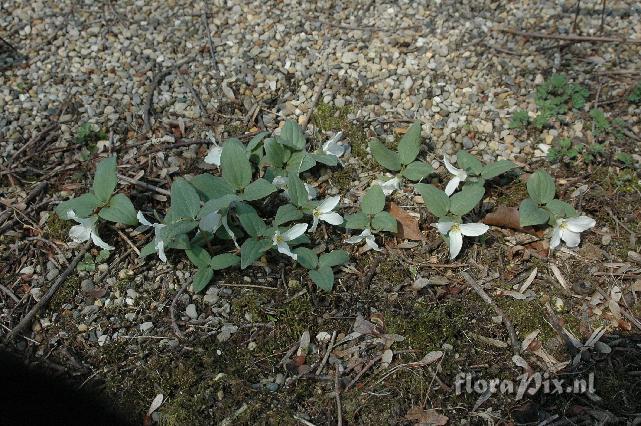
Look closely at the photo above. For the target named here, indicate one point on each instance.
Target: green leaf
(306, 257)
(119, 210)
(217, 204)
(202, 279)
(417, 170)
(298, 194)
(410, 144)
(561, 209)
(292, 135)
(223, 261)
(531, 214)
(198, 256)
(276, 153)
(258, 189)
(174, 229)
(467, 161)
(251, 250)
(384, 221)
(149, 248)
(255, 141)
(436, 201)
(494, 169)
(356, 221)
(385, 156)
(464, 201)
(327, 159)
(333, 258)
(540, 186)
(185, 201)
(82, 206)
(323, 277)
(249, 219)
(287, 213)
(236, 168)
(104, 182)
(373, 201)
(300, 162)
(210, 187)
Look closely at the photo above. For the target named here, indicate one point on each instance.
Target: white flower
(280, 182)
(459, 176)
(455, 232)
(159, 244)
(86, 230)
(388, 186)
(324, 212)
(280, 240)
(367, 236)
(213, 155)
(569, 230)
(333, 147)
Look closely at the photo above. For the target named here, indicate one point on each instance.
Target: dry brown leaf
(408, 225)
(503, 217)
(426, 417)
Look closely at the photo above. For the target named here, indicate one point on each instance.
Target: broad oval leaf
(255, 141)
(333, 258)
(210, 187)
(373, 201)
(561, 209)
(417, 170)
(202, 279)
(235, 165)
(467, 161)
(119, 210)
(249, 219)
(410, 144)
(464, 201)
(300, 162)
(384, 156)
(105, 180)
(384, 221)
(494, 169)
(296, 190)
(185, 201)
(531, 214)
(306, 257)
(540, 186)
(327, 159)
(356, 221)
(217, 204)
(251, 250)
(82, 206)
(292, 135)
(287, 213)
(436, 201)
(258, 189)
(276, 153)
(223, 261)
(323, 277)
(198, 256)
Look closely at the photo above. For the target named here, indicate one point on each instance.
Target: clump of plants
(88, 134)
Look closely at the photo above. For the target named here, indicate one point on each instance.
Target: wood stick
(143, 185)
(315, 98)
(339, 410)
(486, 298)
(26, 321)
(571, 37)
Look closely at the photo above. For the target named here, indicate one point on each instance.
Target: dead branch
(572, 37)
(315, 98)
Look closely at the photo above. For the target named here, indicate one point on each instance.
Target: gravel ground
(390, 63)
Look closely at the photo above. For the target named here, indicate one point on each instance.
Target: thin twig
(367, 279)
(486, 298)
(172, 310)
(572, 37)
(26, 321)
(264, 287)
(196, 96)
(42, 186)
(31, 141)
(339, 410)
(146, 112)
(360, 373)
(143, 185)
(315, 98)
(128, 241)
(576, 15)
(9, 293)
(602, 16)
(330, 346)
(212, 51)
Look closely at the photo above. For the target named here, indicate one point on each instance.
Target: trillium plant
(255, 205)
(541, 207)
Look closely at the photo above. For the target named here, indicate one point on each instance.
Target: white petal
(99, 242)
(280, 182)
(473, 229)
(295, 231)
(456, 242)
(284, 248)
(390, 185)
(328, 204)
(443, 227)
(371, 243)
(332, 218)
(450, 168)
(160, 248)
(314, 223)
(142, 219)
(80, 233)
(452, 185)
(555, 240)
(311, 191)
(71, 215)
(580, 224)
(332, 147)
(229, 231)
(572, 239)
(355, 239)
(211, 222)
(213, 156)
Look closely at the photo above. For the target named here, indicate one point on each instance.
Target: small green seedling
(541, 206)
(372, 215)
